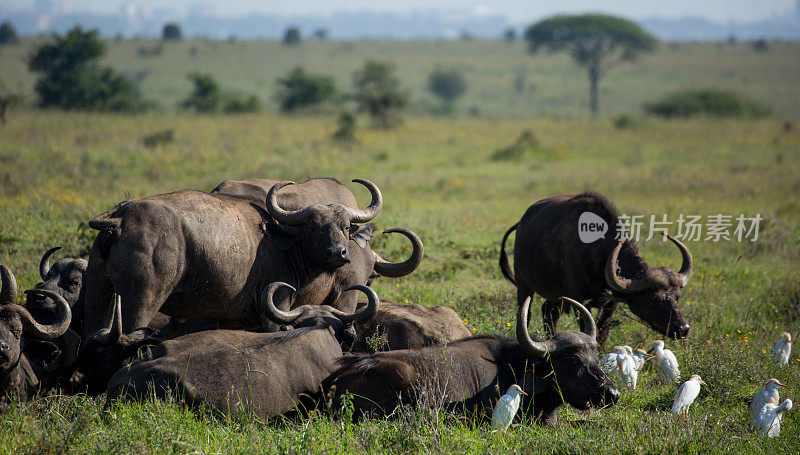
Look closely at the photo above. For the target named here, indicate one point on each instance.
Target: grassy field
(438, 178)
(551, 84)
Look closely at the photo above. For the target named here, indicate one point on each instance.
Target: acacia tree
(596, 42)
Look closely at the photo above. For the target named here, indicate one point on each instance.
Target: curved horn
(686, 267)
(534, 348)
(273, 313)
(290, 217)
(363, 315)
(396, 270)
(109, 334)
(586, 317)
(44, 264)
(362, 216)
(8, 292)
(618, 283)
(46, 331)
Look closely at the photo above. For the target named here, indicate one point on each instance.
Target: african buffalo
(365, 264)
(231, 371)
(17, 373)
(550, 259)
(404, 326)
(468, 375)
(199, 255)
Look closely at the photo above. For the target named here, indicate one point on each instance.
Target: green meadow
(439, 178)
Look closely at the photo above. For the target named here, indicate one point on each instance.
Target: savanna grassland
(438, 178)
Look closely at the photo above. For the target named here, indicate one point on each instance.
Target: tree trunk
(594, 76)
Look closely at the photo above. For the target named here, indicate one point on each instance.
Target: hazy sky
(515, 10)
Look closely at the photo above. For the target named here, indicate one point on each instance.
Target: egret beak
(523, 393)
(701, 382)
(782, 385)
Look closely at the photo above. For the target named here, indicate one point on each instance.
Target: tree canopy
(595, 41)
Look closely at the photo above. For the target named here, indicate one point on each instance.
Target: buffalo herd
(255, 298)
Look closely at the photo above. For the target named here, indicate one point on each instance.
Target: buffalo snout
(337, 255)
(611, 396)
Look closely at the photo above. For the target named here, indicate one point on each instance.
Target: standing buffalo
(234, 371)
(364, 265)
(468, 374)
(552, 260)
(199, 255)
(403, 326)
(17, 326)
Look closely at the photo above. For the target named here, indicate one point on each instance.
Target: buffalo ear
(362, 234)
(282, 236)
(45, 350)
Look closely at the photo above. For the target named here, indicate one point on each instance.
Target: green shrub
(378, 93)
(8, 34)
(299, 89)
(346, 129)
(171, 32)
(623, 121)
(448, 85)
(158, 138)
(720, 103)
(71, 78)
(206, 96)
(241, 104)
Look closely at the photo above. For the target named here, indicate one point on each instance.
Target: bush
(448, 85)
(346, 130)
(298, 90)
(291, 37)
(158, 138)
(378, 93)
(720, 103)
(238, 105)
(70, 77)
(623, 121)
(171, 32)
(205, 96)
(8, 34)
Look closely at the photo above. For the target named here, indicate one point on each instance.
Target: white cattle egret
(767, 395)
(506, 408)
(626, 367)
(667, 362)
(609, 362)
(640, 357)
(687, 392)
(769, 419)
(782, 349)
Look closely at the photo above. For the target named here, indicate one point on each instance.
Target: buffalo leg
(604, 321)
(551, 311)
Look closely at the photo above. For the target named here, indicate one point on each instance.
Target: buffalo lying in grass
(17, 326)
(552, 260)
(234, 371)
(467, 375)
(404, 326)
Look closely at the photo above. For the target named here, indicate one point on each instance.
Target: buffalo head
(65, 278)
(654, 295)
(16, 321)
(312, 315)
(573, 358)
(322, 231)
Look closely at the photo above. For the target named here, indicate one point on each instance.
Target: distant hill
(432, 24)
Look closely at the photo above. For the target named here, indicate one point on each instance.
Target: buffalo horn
(44, 264)
(534, 348)
(273, 313)
(363, 216)
(363, 315)
(686, 266)
(586, 317)
(8, 292)
(396, 270)
(289, 217)
(109, 334)
(616, 282)
(46, 331)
